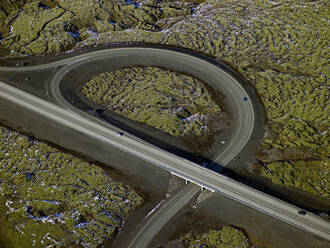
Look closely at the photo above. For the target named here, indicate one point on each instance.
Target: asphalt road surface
(157, 220)
(202, 69)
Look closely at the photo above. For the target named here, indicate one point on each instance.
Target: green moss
(53, 198)
(232, 237)
(174, 103)
(15, 234)
(310, 176)
(7, 6)
(35, 30)
(227, 237)
(47, 28)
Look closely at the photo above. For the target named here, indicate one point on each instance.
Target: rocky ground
(53, 199)
(172, 102)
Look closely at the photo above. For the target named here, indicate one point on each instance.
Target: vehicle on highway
(119, 134)
(204, 164)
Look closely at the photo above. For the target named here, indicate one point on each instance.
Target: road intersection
(66, 114)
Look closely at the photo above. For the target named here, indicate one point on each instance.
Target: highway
(82, 122)
(215, 76)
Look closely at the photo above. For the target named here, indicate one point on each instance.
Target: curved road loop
(208, 72)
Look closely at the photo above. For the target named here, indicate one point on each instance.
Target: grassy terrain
(172, 102)
(311, 176)
(51, 198)
(227, 237)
